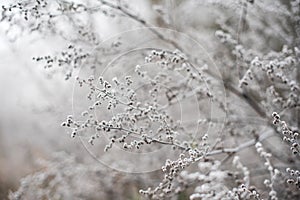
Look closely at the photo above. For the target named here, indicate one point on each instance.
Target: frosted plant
(179, 104)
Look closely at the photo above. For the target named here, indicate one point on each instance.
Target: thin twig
(243, 145)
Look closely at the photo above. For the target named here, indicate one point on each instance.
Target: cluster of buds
(295, 177)
(171, 171)
(246, 78)
(26, 9)
(242, 192)
(225, 38)
(274, 173)
(166, 58)
(246, 173)
(289, 136)
(69, 59)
